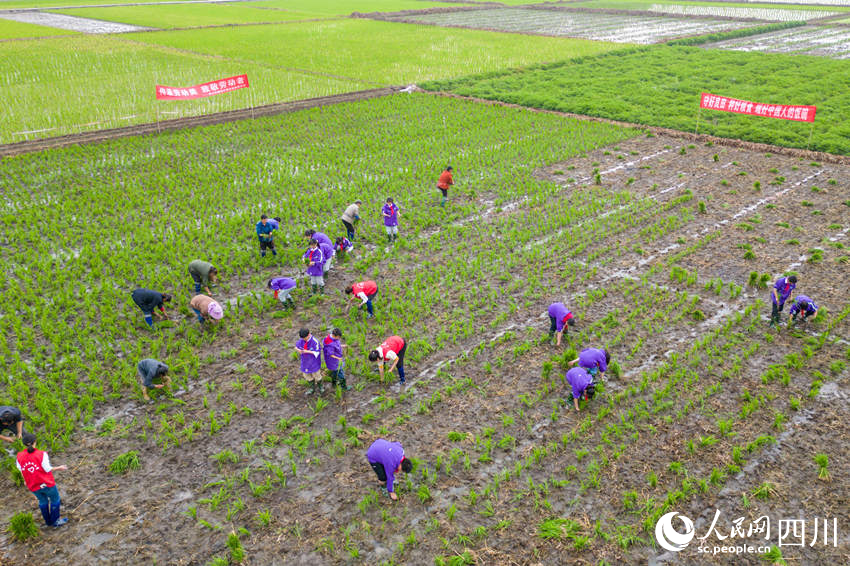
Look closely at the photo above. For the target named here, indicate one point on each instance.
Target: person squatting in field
(318, 236)
(149, 370)
(392, 349)
(311, 362)
(265, 235)
(803, 306)
(390, 212)
(582, 384)
(315, 261)
(387, 459)
(444, 183)
(149, 302)
(350, 217)
(343, 246)
(365, 291)
(559, 318)
(594, 360)
(206, 308)
(283, 287)
(203, 274)
(334, 360)
(37, 472)
(11, 420)
(780, 293)
(328, 255)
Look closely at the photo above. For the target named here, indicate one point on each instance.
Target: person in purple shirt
(805, 307)
(282, 287)
(387, 459)
(779, 294)
(559, 317)
(334, 360)
(311, 362)
(315, 260)
(274, 223)
(328, 254)
(582, 385)
(390, 213)
(318, 236)
(595, 361)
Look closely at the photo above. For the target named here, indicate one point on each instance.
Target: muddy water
(72, 23)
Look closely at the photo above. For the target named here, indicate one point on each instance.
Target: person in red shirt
(365, 291)
(38, 476)
(392, 350)
(444, 183)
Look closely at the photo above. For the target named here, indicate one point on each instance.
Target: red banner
(782, 111)
(200, 91)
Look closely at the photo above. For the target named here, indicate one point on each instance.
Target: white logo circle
(668, 537)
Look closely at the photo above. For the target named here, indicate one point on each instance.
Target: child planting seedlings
(559, 318)
(780, 293)
(318, 236)
(149, 302)
(206, 308)
(387, 459)
(328, 255)
(390, 213)
(392, 349)
(350, 217)
(594, 360)
(283, 287)
(343, 246)
(35, 467)
(265, 235)
(150, 370)
(203, 274)
(11, 420)
(315, 261)
(582, 385)
(365, 291)
(311, 362)
(334, 360)
(444, 183)
(803, 306)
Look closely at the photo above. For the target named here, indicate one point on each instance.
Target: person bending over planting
(595, 361)
(334, 360)
(390, 213)
(311, 362)
(206, 308)
(35, 467)
(391, 350)
(387, 459)
(274, 223)
(265, 235)
(444, 183)
(582, 385)
(780, 293)
(11, 420)
(803, 306)
(365, 291)
(315, 261)
(343, 246)
(283, 287)
(318, 236)
(203, 274)
(350, 217)
(560, 318)
(150, 302)
(328, 255)
(150, 370)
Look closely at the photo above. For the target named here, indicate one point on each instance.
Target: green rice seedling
(263, 518)
(124, 463)
(764, 491)
(22, 526)
(774, 556)
(822, 460)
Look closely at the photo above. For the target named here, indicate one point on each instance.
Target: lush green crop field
(14, 30)
(660, 86)
(317, 8)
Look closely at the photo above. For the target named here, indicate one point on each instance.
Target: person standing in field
(780, 293)
(560, 317)
(149, 370)
(149, 302)
(315, 261)
(803, 306)
(11, 420)
(311, 362)
(594, 361)
(283, 287)
(265, 235)
(334, 360)
(206, 308)
(387, 459)
(391, 350)
(318, 236)
(203, 274)
(350, 217)
(390, 212)
(444, 183)
(37, 472)
(365, 291)
(328, 255)
(582, 385)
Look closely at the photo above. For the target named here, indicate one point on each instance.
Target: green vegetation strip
(660, 86)
(184, 15)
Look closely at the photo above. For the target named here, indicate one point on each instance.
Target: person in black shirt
(12, 420)
(149, 301)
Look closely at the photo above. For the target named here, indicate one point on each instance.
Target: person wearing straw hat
(206, 308)
(37, 472)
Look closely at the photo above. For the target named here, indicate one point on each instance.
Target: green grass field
(660, 86)
(14, 30)
(318, 8)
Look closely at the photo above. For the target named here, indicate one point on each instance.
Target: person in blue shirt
(264, 234)
(803, 306)
(780, 293)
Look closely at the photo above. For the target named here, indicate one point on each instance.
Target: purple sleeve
(390, 477)
(603, 367)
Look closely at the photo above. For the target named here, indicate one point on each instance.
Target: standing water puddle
(84, 25)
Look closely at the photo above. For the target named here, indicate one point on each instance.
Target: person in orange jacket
(444, 183)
